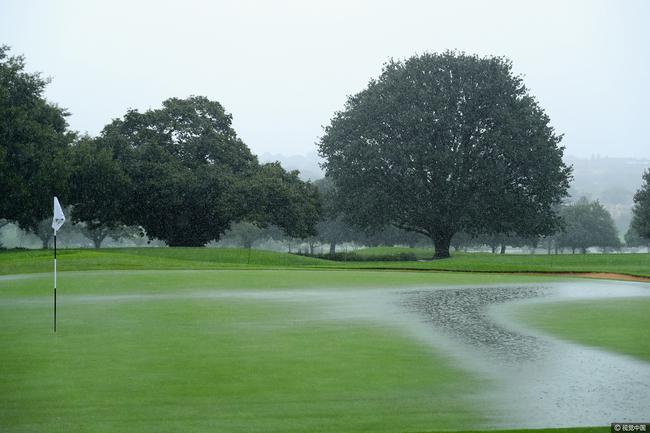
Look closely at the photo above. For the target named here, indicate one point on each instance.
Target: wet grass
(178, 364)
(16, 262)
(31, 261)
(171, 362)
(188, 281)
(546, 430)
(631, 264)
(620, 325)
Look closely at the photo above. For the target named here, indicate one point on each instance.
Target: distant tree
(245, 233)
(641, 211)
(98, 233)
(33, 145)
(332, 228)
(633, 239)
(442, 143)
(587, 224)
(461, 240)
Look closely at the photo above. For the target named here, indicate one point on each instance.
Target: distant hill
(306, 164)
(612, 181)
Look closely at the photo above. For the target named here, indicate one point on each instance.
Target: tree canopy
(182, 174)
(641, 211)
(633, 239)
(442, 143)
(34, 144)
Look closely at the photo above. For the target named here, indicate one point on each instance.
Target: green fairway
(621, 325)
(16, 262)
(151, 363)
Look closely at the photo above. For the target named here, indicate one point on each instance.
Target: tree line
(444, 148)
(179, 173)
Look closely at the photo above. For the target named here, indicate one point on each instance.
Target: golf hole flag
(57, 221)
(59, 218)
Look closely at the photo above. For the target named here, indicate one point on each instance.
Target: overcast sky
(282, 68)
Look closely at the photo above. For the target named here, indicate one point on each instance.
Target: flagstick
(55, 281)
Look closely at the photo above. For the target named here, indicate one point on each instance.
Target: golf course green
(620, 325)
(202, 340)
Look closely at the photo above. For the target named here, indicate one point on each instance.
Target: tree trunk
(97, 240)
(573, 250)
(584, 250)
(503, 249)
(332, 248)
(494, 249)
(46, 243)
(441, 242)
(311, 249)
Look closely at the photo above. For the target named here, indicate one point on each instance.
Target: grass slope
(178, 364)
(621, 325)
(632, 264)
(17, 262)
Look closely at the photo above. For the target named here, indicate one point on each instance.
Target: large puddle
(537, 380)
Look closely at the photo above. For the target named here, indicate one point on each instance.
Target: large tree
(641, 218)
(34, 143)
(181, 173)
(441, 143)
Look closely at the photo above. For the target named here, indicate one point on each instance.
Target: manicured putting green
(620, 325)
(159, 360)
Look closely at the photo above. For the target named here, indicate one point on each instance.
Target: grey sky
(282, 68)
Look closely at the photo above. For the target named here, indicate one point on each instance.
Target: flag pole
(57, 221)
(54, 281)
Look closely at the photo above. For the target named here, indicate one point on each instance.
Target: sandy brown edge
(602, 276)
(594, 275)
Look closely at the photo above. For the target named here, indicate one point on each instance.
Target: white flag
(59, 218)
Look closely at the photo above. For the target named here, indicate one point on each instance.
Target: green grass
(188, 281)
(545, 430)
(165, 361)
(16, 262)
(620, 325)
(141, 347)
(632, 264)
